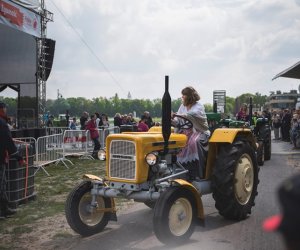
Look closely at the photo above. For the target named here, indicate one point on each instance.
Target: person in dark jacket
(149, 120)
(83, 120)
(118, 120)
(286, 125)
(8, 150)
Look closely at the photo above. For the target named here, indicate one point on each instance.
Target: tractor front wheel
(174, 216)
(235, 180)
(84, 216)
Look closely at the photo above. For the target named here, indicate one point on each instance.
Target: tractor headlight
(102, 155)
(151, 159)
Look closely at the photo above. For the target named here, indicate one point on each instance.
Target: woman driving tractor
(195, 127)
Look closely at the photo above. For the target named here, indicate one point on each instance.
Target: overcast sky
(123, 46)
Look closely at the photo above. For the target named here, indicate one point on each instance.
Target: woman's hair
(191, 94)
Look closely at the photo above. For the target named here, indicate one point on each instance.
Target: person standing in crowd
(91, 126)
(276, 126)
(243, 115)
(7, 150)
(50, 121)
(125, 120)
(117, 120)
(73, 124)
(142, 126)
(149, 120)
(254, 118)
(99, 122)
(105, 121)
(288, 222)
(193, 156)
(83, 120)
(67, 118)
(286, 125)
(130, 119)
(295, 129)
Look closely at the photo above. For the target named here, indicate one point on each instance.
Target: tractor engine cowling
(126, 152)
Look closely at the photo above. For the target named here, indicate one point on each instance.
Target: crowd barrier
(55, 130)
(54, 148)
(77, 142)
(105, 132)
(49, 149)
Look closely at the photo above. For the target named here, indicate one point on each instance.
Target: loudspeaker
(46, 58)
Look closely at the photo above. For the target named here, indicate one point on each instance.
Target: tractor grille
(122, 160)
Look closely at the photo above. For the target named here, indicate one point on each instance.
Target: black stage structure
(26, 57)
(291, 72)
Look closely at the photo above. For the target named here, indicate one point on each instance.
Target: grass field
(46, 212)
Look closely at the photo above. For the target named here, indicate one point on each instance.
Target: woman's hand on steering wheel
(187, 124)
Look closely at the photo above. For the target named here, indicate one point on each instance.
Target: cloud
(128, 46)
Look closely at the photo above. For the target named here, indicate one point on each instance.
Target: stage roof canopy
(291, 72)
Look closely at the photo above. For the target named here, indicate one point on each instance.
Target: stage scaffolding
(46, 16)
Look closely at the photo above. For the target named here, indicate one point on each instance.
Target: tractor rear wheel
(260, 154)
(84, 217)
(235, 180)
(267, 145)
(174, 216)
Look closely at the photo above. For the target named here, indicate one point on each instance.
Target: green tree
(230, 105)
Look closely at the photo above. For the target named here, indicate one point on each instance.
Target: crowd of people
(96, 121)
(101, 121)
(143, 125)
(285, 123)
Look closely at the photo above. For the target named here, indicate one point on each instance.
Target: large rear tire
(268, 145)
(83, 217)
(235, 180)
(261, 154)
(174, 216)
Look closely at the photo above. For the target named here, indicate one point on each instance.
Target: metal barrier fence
(77, 142)
(54, 148)
(105, 132)
(55, 130)
(49, 149)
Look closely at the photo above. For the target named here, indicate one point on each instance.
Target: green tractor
(260, 128)
(143, 166)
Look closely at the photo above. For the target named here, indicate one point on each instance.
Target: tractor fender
(92, 177)
(229, 135)
(197, 195)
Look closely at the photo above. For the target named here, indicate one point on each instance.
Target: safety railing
(55, 130)
(77, 142)
(54, 148)
(105, 132)
(49, 149)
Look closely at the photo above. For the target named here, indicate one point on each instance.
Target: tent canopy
(291, 72)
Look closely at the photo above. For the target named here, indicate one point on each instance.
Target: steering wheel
(187, 124)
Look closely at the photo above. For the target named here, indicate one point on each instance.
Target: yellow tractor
(143, 167)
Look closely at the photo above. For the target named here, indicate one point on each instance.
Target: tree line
(110, 106)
